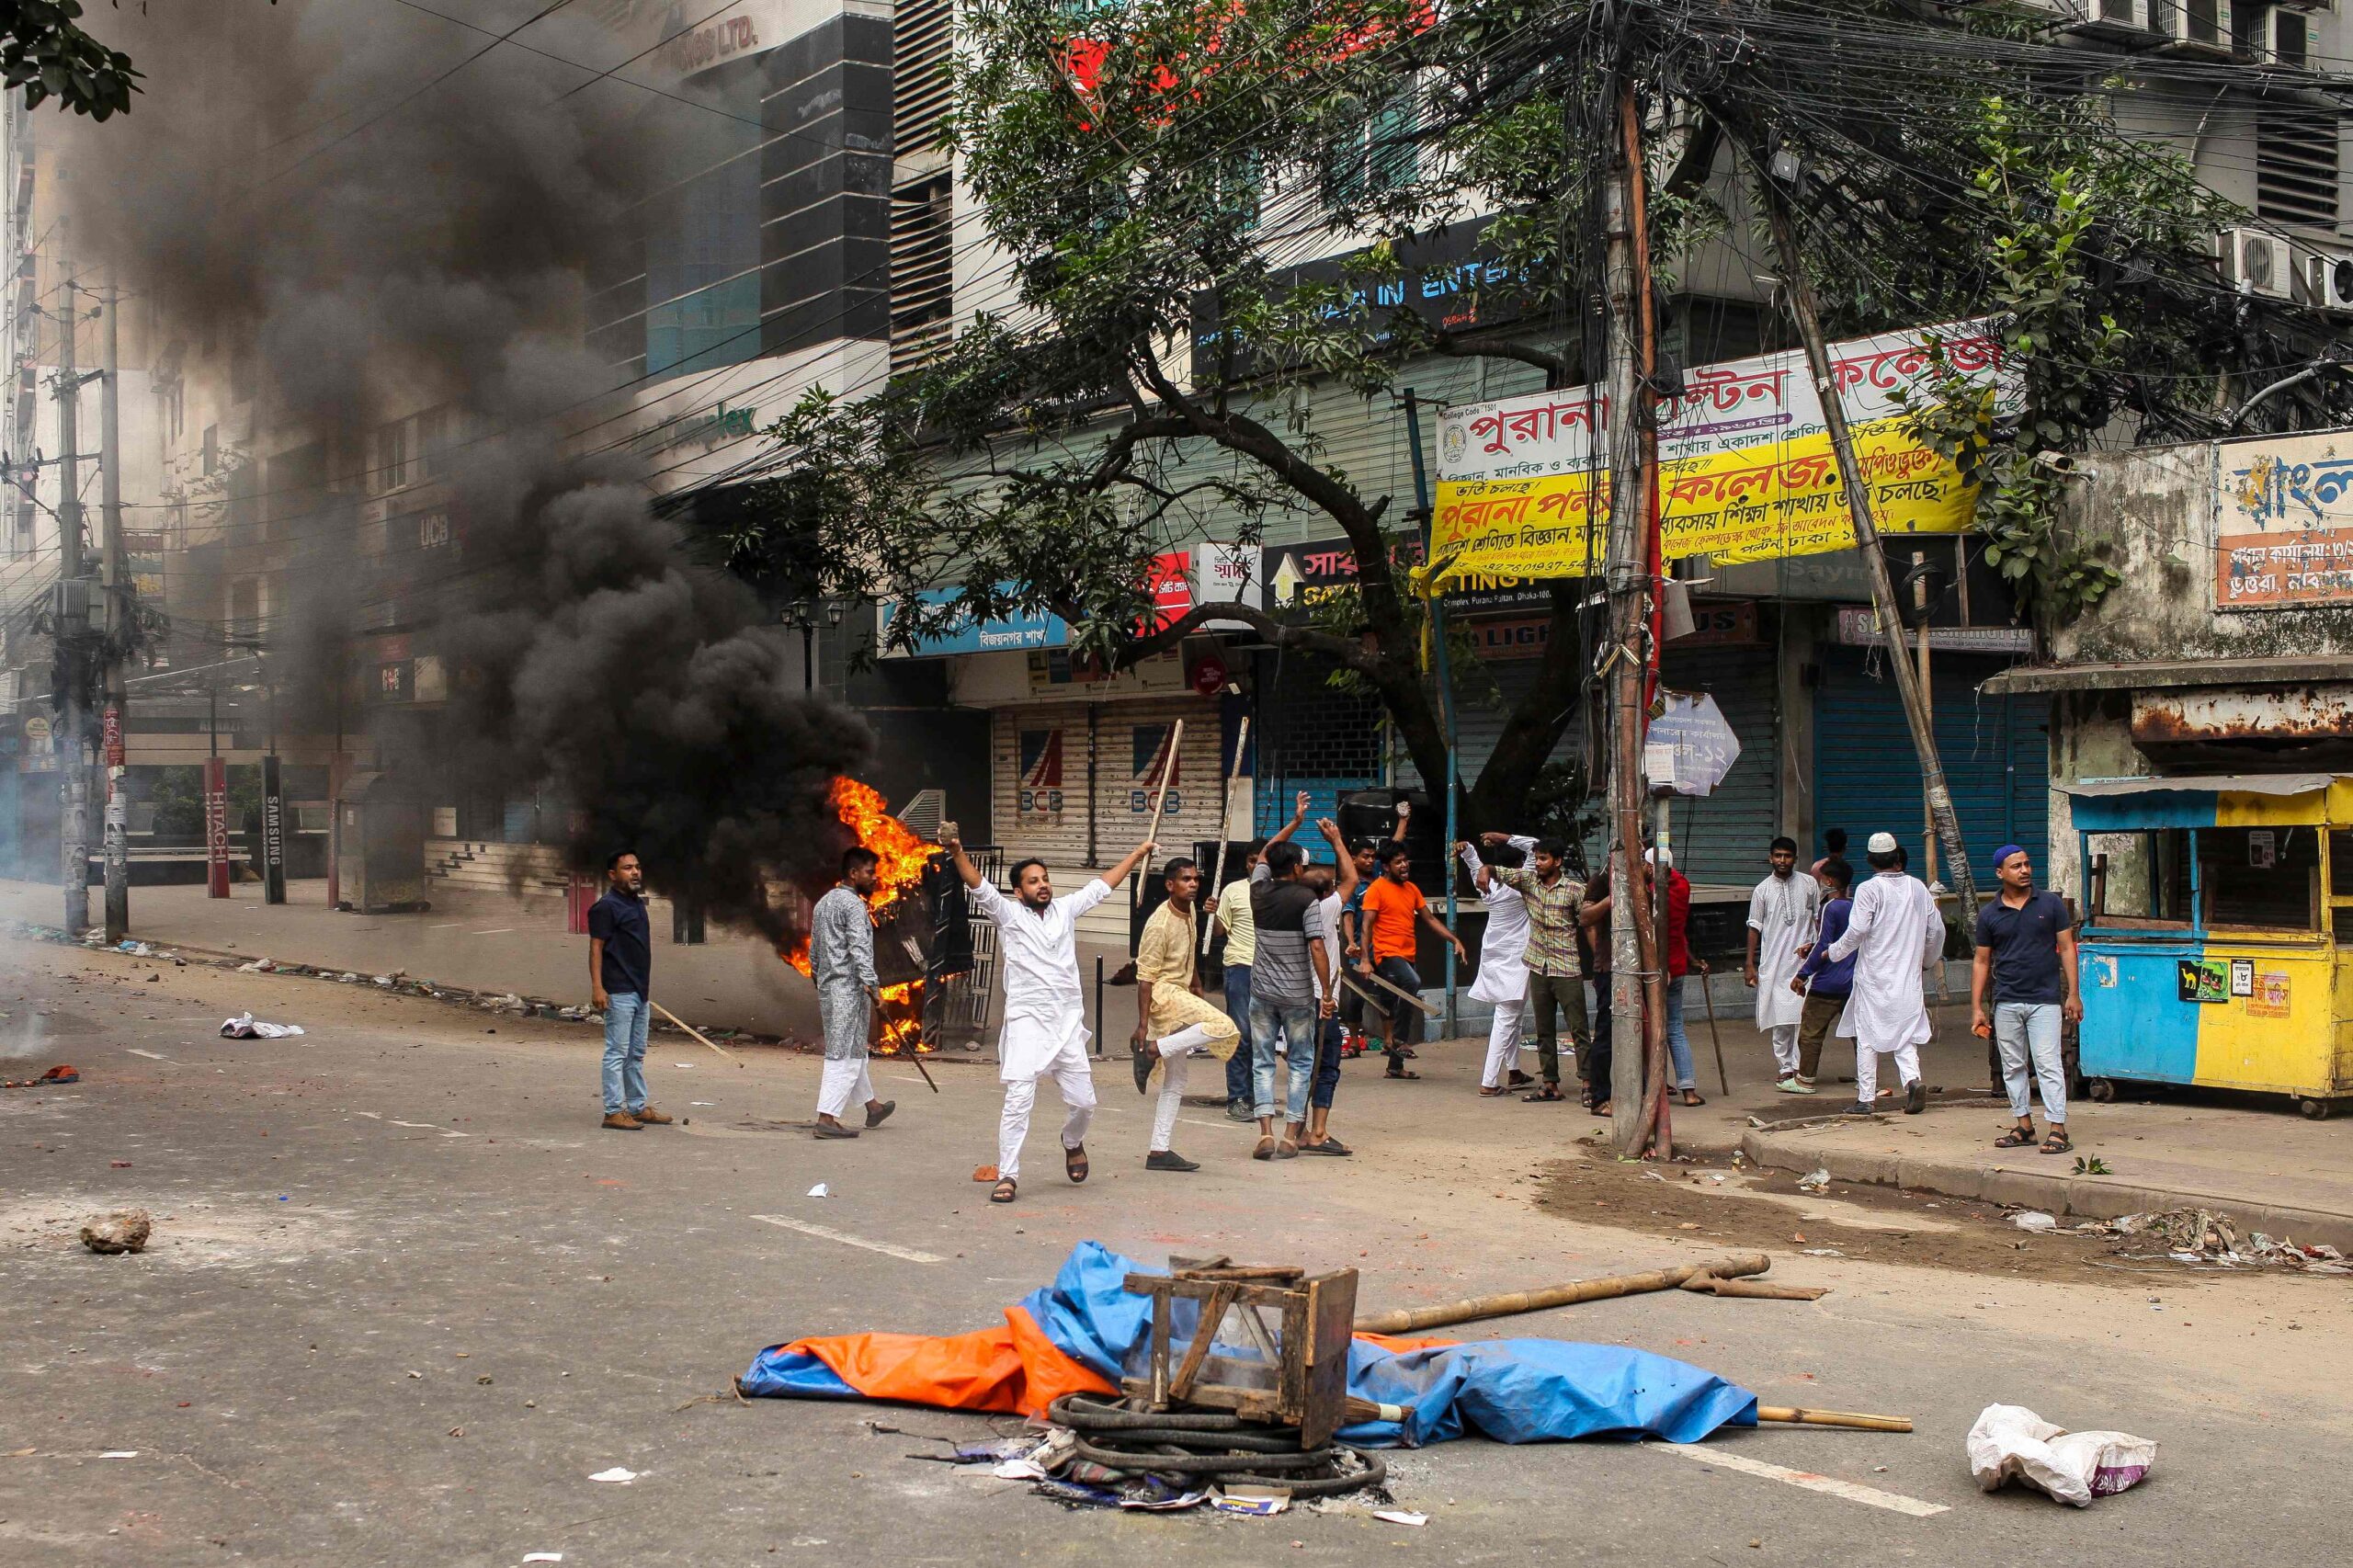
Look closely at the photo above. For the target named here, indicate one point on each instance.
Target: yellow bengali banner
(1749, 503)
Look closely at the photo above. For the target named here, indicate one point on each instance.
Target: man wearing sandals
(1292, 971)
(1555, 900)
(2026, 948)
(1173, 1020)
(841, 961)
(1044, 1034)
(1892, 933)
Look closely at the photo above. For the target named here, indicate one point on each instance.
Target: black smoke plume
(306, 180)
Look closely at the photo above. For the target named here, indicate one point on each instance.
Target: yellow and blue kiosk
(2217, 940)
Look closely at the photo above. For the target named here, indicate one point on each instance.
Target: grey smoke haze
(386, 258)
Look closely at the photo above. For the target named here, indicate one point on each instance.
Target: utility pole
(1626, 568)
(1908, 682)
(71, 624)
(117, 584)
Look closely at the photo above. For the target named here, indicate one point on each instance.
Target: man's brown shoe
(622, 1121)
(651, 1116)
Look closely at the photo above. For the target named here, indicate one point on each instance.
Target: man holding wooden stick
(1395, 913)
(620, 970)
(1173, 1019)
(1044, 1034)
(841, 961)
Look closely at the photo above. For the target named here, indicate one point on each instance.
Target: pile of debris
(1109, 1456)
(2206, 1238)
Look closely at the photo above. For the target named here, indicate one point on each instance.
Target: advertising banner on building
(2284, 522)
(1745, 467)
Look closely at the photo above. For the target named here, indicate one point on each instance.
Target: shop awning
(2022, 679)
(2208, 784)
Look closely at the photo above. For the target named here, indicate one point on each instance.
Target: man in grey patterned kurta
(841, 959)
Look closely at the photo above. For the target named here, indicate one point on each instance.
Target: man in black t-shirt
(620, 975)
(2026, 950)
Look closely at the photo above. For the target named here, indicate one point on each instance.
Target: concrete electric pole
(116, 581)
(71, 620)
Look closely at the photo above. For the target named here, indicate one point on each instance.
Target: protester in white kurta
(1894, 932)
(1044, 1033)
(1782, 913)
(1502, 964)
(841, 961)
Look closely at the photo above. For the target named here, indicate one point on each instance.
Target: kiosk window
(2140, 880)
(2268, 878)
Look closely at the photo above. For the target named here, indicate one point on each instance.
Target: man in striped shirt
(1554, 900)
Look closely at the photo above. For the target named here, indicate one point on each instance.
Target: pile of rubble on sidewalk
(2200, 1237)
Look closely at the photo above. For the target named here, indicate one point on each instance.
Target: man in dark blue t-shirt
(620, 972)
(2026, 951)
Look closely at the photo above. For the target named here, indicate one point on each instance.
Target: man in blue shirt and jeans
(620, 968)
(2026, 948)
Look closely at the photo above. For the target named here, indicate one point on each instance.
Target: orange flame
(902, 855)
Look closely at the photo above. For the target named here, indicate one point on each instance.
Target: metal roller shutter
(1996, 752)
(1721, 838)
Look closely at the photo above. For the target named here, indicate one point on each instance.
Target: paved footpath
(405, 1299)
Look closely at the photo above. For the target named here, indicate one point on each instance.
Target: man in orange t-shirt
(1394, 910)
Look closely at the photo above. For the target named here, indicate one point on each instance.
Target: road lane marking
(828, 1233)
(421, 1126)
(150, 1055)
(494, 931)
(1893, 1502)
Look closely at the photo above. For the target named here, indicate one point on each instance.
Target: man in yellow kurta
(1173, 1021)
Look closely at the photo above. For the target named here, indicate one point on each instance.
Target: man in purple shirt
(1824, 985)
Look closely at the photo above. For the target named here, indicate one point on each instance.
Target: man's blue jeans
(1678, 1044)
(626, 1016)
(1327, 1064)
(1294, 1024)
(1237, 1007)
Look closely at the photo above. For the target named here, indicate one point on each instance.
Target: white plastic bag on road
(2012, 1443)
(245, 1026)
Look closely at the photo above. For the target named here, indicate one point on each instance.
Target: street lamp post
(802, 613)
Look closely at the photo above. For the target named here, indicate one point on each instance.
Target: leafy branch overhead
(44, 50)
(1147, 357)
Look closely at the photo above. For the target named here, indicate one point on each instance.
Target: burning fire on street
(899, 876)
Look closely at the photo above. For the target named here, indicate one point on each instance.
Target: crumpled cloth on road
(61, 1073)
(245, 1026)
(1082, 1331)
(2012, 1443)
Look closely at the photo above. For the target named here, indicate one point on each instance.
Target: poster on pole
(1692, 741)
(1747, 472)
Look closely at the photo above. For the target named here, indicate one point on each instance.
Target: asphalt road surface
(406, 1298)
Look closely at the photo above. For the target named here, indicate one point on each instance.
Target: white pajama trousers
(1907, 1069)
(845, 1083)
(1175, 1052)
(1075, 1078)
(1502, 1043)
(1785, 1046)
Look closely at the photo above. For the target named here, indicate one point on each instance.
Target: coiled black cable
(1228, 1449)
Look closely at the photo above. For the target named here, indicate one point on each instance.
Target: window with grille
(2296, 163)
(1379, 154)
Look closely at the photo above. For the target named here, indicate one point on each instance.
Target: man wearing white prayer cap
(1893, 932)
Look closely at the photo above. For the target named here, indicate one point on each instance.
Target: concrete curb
(2082, 1197)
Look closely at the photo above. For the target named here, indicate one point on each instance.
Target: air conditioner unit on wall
(2283, 37)
(2332, 278)
(2256, 262)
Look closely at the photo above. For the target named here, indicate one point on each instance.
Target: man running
(1173, 1021)
(1892, 933)
(1044, 1033)
(1503, 966)
(1782, 910)
(841, 961)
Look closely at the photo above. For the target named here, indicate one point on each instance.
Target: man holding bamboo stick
(620, 969)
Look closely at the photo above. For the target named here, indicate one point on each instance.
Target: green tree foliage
(1150, 175)
(44, 50)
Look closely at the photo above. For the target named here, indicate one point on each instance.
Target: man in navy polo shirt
(620, 969)
(2026, 948)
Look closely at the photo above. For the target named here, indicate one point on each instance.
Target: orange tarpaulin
(1012, 1368)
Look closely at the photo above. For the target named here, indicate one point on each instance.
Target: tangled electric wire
(1227, 1449)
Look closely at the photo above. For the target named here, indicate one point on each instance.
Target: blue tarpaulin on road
(1085, 1329)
